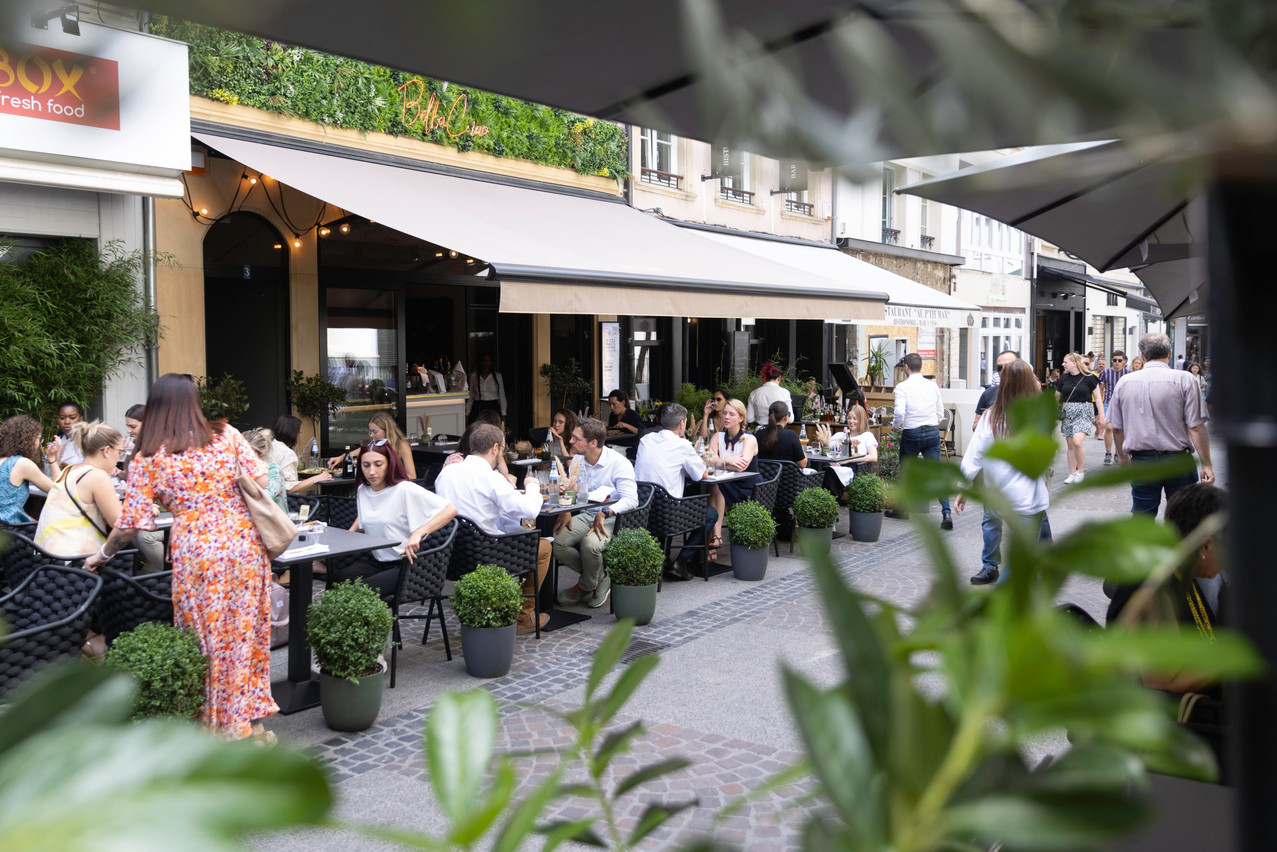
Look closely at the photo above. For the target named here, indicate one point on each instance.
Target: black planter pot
(489, 651)
(351, 706)
(749, 563)
(866, 526)
(636, 602)
(815, 541)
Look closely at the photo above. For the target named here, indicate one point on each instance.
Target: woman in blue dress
(19, 465)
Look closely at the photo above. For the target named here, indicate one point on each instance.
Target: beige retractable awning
(561, 253)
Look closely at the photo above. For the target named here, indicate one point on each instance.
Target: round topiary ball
(168, 666)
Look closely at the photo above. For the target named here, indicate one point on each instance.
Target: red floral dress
(221, 575)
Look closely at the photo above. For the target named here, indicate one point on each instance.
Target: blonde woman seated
(261, 440)
(382, 427)
(732, 450)
(83, 506)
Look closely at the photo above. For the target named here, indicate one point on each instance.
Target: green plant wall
(340, 92)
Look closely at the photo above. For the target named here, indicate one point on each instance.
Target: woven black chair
(19, 556)
(515, 552)
(671, 517)
(49, 616)
(296, 501)
(339, 512)
(421, 581)
(768, 485)
(125, 602)
(636, 518)
(792, 483)
(429, 473)
(26, 528)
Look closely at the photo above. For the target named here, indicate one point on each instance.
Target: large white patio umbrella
(1104, 202)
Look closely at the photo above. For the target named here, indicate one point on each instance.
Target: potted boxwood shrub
(169, 668)
(224, 399)
(487, 603)
(752, 529)
(866, 500)
(633, 560)
(349, 627)
(815, 513)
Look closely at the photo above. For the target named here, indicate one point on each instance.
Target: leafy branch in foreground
(460, 739)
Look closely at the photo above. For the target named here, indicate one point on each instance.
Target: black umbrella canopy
(847, 82)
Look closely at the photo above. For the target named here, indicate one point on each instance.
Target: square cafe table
(300, 690)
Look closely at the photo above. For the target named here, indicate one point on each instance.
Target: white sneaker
(1070, 479)
(1079, 476)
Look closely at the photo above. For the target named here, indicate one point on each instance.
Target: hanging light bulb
(345, 228)
(297, 243)
(469, 260)
(452, 253)
(279, 246)
(203, 211)
(438, 254)
(252, 179)
(323, 232)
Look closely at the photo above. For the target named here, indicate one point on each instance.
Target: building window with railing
(890, 234)
(991, 246)
(738, 189)
(796, 202)
(659, 158)
(925, 238)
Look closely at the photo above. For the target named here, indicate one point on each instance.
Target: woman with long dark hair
(712, 417)
(1029, 498)
(221, 574)
(776, 440)
(391, 506)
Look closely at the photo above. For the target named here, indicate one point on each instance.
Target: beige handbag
(272, 522)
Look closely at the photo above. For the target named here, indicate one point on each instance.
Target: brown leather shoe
(525, 624)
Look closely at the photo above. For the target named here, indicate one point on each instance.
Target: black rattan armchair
(792, 483)
(19, 556)
(125, 602)
(672, 516)
(515, 552)
(421, 581)
(48, 613)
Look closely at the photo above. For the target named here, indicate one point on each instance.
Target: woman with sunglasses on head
(391, 506)
(221, 573)
(712, 418)
(383, 427)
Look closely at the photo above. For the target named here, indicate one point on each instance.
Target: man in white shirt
(664, 458)
(484, 495)
(919, 411)
(579, 540)
(487, 389)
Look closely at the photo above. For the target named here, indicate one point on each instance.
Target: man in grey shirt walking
(1158, 413)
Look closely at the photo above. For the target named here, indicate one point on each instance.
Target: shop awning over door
(910, 303)
(560, 253)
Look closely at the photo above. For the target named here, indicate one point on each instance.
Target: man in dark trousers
(919, 411)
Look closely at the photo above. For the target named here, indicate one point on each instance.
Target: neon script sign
(54, 85)
(453, 122)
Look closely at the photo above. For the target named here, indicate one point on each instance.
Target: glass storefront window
(363, 358)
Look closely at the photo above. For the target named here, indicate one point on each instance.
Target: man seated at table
(579, 541)
(664, 457)
(476, 486)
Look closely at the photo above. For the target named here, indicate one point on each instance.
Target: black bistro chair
(19, 556)
(49, 614)
(296, 501)
(421, 581)
(515, 552)
(671, 517)
(125, 602)
(792, 483)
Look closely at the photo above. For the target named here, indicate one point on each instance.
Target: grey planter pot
(749, 563)
(636, 602)
(351, 706)
(866, 526)
(815, 541)
(489, 651)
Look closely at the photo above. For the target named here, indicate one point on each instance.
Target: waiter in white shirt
(579, 542)
(664, 458)
(483, 494)
(761, 398)
(487, 389)
(919, 411)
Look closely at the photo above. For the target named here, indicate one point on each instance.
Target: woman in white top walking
(760, 399)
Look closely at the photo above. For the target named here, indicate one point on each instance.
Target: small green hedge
(816, 509)
(169, 668)
(633, 558)
(750, 524)
(348, 629)
(867, 493)
(487, 597)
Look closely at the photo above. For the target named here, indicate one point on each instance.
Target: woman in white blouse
(391, 506)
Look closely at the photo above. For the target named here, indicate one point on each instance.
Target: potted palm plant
(487, 602)
(815, 513)
(866, 500)
(349, 627)
(169, 667)
(752, 529)
(633, 560)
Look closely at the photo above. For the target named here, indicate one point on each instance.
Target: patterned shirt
(1109, 377)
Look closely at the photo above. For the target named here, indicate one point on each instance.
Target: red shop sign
(54, 85)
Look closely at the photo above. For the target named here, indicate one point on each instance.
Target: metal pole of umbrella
(1244, 399)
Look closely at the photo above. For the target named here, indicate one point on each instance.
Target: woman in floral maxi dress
(221, 574)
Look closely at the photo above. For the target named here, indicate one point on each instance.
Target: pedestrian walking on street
(1029, 498)
(1078, 392)
(919, 411)
(1157, 413)
(1108, 380)
(991, 524)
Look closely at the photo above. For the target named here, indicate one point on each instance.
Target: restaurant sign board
(727, 162)
(793, 176)
(106, 98)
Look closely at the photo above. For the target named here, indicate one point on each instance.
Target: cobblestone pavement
(715, 699)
